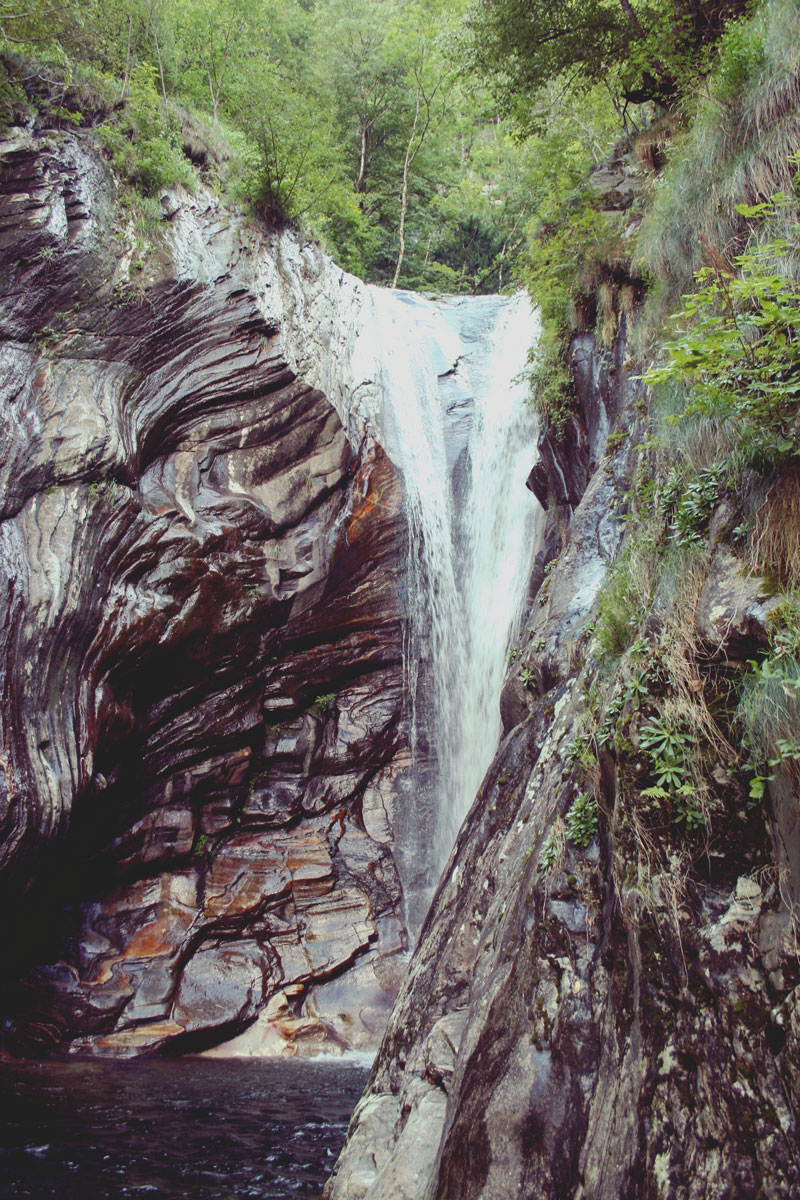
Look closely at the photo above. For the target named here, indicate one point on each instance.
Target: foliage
(671, 750)
(642, 52)
(769, 707)
(738, 348)
(688, 505)
(744, 126)
(142, 143)
(581, 819)
(344, 117)
(625, 598)
(574, 251)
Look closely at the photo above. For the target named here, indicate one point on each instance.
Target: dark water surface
(197, 1128)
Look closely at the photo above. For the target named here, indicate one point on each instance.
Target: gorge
(353, 706)
(247, 615)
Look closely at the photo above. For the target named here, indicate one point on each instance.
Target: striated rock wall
(202, 547)
(613, 1020)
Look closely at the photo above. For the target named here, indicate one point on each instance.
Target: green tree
(641, 49)
(428, 78)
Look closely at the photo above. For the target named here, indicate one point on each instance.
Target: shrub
(739, 349)
(581, 819)
(746, 125)
(693, 507)
(143, 147)
(769, 708)
(626, 596)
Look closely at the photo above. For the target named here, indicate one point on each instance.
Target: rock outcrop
(608, 1012)
(203, 736)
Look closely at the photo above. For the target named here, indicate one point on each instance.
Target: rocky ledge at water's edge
(614, 1016)
(203, 735)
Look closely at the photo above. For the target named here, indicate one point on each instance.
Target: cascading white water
(453, 419)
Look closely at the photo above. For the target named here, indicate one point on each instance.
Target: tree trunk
(411, 153)
(126, 79)
(151, 16)
(403, 209)
(627, 8)
(361, 178)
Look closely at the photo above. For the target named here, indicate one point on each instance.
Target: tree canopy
(641, 50)
(420, 140)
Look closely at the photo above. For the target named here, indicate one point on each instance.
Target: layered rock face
(600, 1017)
(203, 740)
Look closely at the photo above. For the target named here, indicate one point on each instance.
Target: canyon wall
(204, 743)
(609, 1010)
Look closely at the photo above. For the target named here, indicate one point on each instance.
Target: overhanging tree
(642, 49)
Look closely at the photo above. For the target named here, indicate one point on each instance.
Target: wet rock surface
(203, 736)
(612, 1020)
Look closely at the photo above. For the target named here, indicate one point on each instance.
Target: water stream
(454, 420)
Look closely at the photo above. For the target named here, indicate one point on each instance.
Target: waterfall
(452, 417)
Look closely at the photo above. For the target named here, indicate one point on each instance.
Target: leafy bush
(745, 126)
(739, 349)
(671, 750)
(143, 147)
(769, 708)
(581, 819)
(570, 272)
(690, 509)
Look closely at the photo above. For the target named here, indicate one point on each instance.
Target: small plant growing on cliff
(200, 845)
(769, 710)
(671, 750)
(694, 507)
(551, 854)
(528, 677)
(637, 689)
(662, 741)
(581, 819)
(324, 703)
(582, 751)
(45, 338)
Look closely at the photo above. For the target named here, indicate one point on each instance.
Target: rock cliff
(202, 549)
(608, 1009)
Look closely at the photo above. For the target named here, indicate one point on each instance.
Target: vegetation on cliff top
(348, 117)
(676, 224)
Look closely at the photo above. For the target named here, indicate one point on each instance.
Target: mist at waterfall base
(176, 1129)
(454, 420)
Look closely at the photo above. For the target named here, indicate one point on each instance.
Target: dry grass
(628, 300)
(606, 312)
(650, 146)
(701, 442)
(660, 880)
(687, 708)
(737, 151)
(775, 540)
